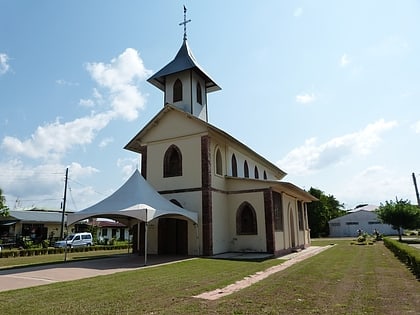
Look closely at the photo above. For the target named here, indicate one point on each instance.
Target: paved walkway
(18, 278)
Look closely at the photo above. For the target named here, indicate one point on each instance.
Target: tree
(4, 210)
(320, 212)
(401, 214)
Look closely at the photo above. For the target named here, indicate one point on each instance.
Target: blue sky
(326, 90)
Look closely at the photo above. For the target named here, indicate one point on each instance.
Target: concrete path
(18, 278)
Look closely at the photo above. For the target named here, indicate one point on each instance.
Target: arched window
(199, 94)
(234, 166)
(172, 162)
(219, 168)
(265, 175)
(278, 211)
(246, 220)
(300, 215)
(177, 90)
(246, 169)
(256, 175)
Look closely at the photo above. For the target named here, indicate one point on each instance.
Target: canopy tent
(135, 199)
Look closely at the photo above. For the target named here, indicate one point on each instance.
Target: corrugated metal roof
(184, 60)
(36, 216)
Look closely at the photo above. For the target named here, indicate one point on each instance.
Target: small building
(108, 230)
(363, 218)
(33, 224)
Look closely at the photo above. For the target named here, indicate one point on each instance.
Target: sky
(326, 90)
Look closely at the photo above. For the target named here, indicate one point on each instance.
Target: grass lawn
(346, 279)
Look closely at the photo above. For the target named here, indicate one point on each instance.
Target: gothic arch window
(199, 94)
(172, 162)
(300, 215)
(234, 166)
(219, 164)
(265, 175)
(246, 169)
(278, 211)
(256, 175)
(177, 92)
(246, 220)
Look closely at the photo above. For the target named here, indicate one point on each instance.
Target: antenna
(185, 23)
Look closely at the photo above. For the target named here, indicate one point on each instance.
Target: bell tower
(184, 83)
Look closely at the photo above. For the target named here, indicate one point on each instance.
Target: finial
(185, 23)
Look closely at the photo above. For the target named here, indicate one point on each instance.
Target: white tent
(135, 199)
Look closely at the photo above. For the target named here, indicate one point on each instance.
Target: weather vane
(185, 23)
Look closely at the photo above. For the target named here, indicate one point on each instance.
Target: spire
(185, 23)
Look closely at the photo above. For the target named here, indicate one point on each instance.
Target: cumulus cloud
(344, 60)
(4, 63)
(40, 185)
(312, 156)
(375, 184)
(305, 98)
(52, 140)
(118, 78)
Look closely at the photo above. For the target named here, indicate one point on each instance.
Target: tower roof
(184, 60)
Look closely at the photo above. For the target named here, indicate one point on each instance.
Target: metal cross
(185, 23)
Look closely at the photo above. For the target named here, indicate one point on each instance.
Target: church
(240, 198)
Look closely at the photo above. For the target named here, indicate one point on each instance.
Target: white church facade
(241, 201)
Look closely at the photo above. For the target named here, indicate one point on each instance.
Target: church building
(241, 200)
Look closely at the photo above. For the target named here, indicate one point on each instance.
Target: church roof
(184, 60)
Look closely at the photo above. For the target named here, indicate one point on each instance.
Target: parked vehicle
(76, 240)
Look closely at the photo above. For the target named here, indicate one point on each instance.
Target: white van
(76, 240)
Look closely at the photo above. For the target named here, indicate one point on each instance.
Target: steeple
(184, 83)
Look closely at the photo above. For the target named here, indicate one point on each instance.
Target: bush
(407, 254)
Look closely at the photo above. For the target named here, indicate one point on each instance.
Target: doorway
(172, 236)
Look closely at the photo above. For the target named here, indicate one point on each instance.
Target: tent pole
(138, 237)
(145, 240)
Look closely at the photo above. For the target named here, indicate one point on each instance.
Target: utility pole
(64, 204)
(417, 191)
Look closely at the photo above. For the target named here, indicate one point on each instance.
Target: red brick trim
(206, 200)
(269, 221)
(143, 152)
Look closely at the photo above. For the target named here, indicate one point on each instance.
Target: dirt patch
(248, 281)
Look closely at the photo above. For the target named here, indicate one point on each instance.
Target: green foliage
(401, 214)
(407, 254)
(320, 212)
(4, 210)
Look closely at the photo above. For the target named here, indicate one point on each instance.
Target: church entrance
(172, 236)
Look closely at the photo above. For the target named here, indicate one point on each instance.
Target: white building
(361, 218)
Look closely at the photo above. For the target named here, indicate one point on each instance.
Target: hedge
(50, 250)
(407, 254)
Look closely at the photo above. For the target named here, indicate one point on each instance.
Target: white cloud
(312, 156)
(298, 12)
(40, 185)
(67, 83)
(4, 63)
(118, 78)
(373, 185)
(305, 98)
(128, 165)
(52, 140)
(416, 127)
(344, 60)
(105, 142)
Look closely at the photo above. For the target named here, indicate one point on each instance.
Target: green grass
(345, 279)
